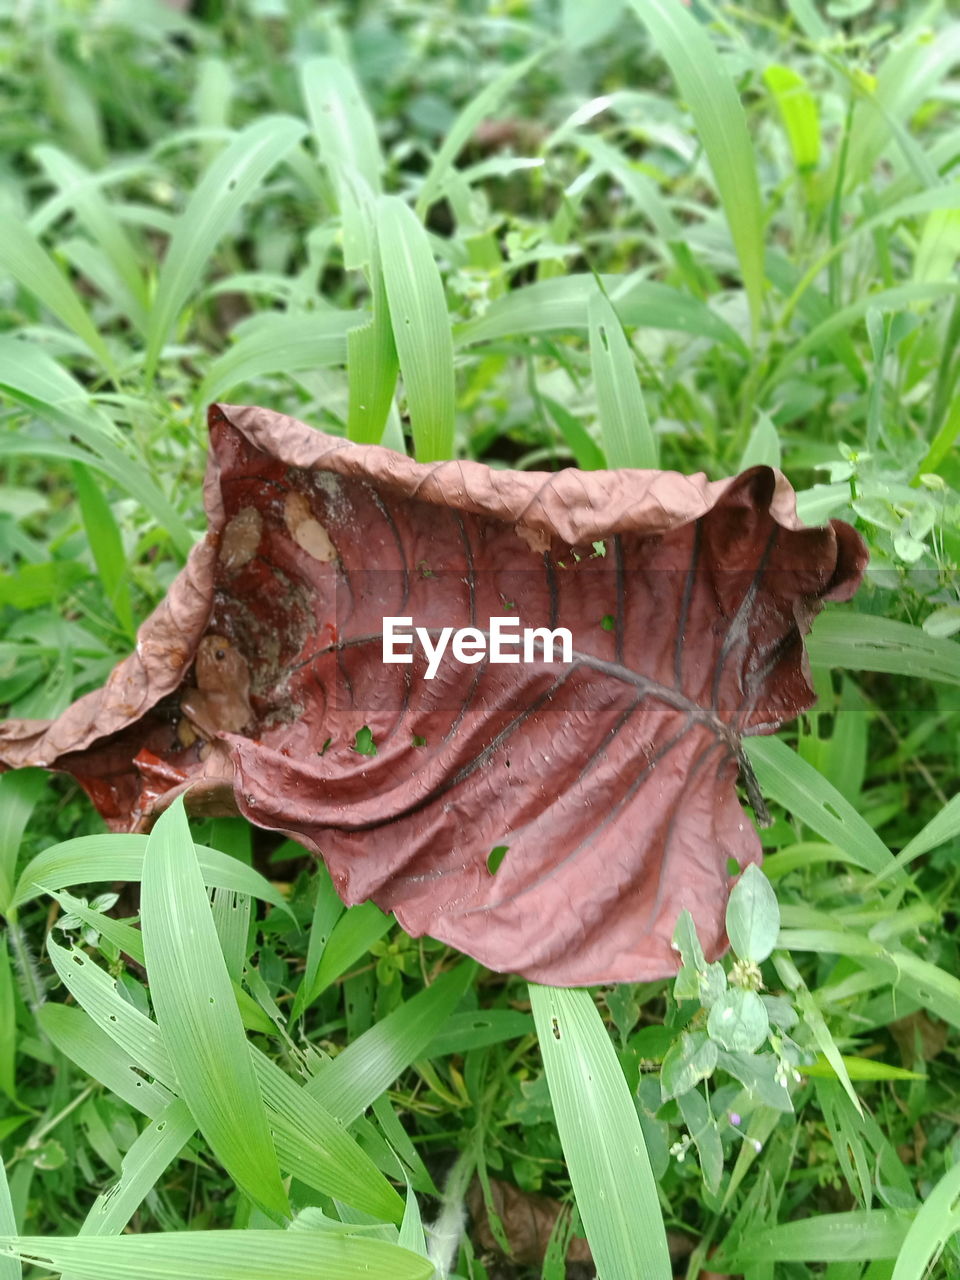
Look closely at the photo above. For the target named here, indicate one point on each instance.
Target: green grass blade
(327, 910)
(103, 534)
(22, 254)
(862, 642)
(145, 1161)
(798, 110)
(463, 128)
(943, 826)
(10, 1268)
(19, 792)
(279, 344)
(372, 367)
(221, 1255)
(601, 1137)
(223, 190)
(198, 1016)
(421, 327)
(862, 1235)
(355, 1078)
(807, 794)
(722, 128)
(936, 1221)
(92, 859)
(352, 937)
(624, 427)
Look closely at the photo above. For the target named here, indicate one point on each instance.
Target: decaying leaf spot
(241, 538)
(306, 531)
(611, 775)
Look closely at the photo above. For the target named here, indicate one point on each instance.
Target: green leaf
(763, 445)
(863, 642)
(738, 1021)
(280, 344)
(601, 1137)
(624, 427)
(198, 1016)
(106, 544)
(352, 937)
(463, 128)
(421, 327)
(145, 1161)
(371, 366)
(706, 1136)
(798, 110)
(721, 127)
(935, 1223)
(10, 1268)
(222, 1255)
(692, 1059)
(355, 1078)
(864, 1235)
(223, 190)
(8, 1026)
(22, 254)
(20, 789)
(88, 859)
(807, 794)
(753, 916)
(942, 827)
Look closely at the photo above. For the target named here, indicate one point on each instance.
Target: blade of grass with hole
(222, 191)
(421, 327)
(601, 1137)
(355, 1078)
(197, 1013)
(806, 793)
(145, 1161)
(861, 1235)
(100, 858)
(721, 125)
(222, 1255)
(862, 642)
(463, 128)
(624, 426)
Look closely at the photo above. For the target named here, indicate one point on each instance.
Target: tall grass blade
(938, 1218)
(223, 190)
(10, 1267)
(421, 327)
(601, 1137)
(863, 642)
(722, 128)
(624, 426)
(198, 1016)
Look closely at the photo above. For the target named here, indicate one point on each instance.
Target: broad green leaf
(463, 128)
(624, 427)
(22, 254)
(421, 327)
(601, 1137)
(221, 1255)
(738, 1021)
(146, 1160)
(223, 190)
(692, 1059)
(280, 344)
(808, 795)
(798, 110)
(721, 127)
(753, 916)
(863, 642)
(706, 1137)
(89, 859)
(355, 1078)
(198, 1016)
(863, 1235)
